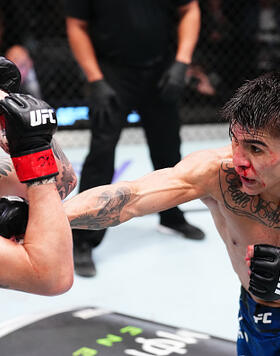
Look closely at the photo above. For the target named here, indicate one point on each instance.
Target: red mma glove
(30, 125)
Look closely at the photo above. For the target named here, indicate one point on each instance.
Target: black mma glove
(173, 81)
(13, 216)
(103, 99)
(30, 125)
(265, 272)
(10, 77)
(10, 80)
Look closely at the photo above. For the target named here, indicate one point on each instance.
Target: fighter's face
(257, 161)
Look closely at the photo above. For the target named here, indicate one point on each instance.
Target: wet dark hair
(256, 106)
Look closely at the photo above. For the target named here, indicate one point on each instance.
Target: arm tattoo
(109, 213)
(251, 206)
(66, 180)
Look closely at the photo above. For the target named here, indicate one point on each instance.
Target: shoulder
(207, 160)
(202, 168)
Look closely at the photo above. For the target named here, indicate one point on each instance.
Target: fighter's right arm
(36, 266)
(109, 205)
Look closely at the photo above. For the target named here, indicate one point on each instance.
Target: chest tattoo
(240, 203)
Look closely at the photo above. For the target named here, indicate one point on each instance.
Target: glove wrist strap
(35, 166)
(30, 151)
(40, 182)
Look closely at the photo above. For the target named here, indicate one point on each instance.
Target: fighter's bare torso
(242, 220)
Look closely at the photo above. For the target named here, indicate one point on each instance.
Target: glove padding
(173, 81)
(30, 124)
(13, 216)
(10, 77)
(104, 101)
(265, 272)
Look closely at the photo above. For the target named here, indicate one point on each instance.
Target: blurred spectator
(198, 80)
(13, 47)
(213, 49)
(128, 53)
(20, 56)
(229, 28)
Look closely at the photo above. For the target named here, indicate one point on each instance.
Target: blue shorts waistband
(263, 317)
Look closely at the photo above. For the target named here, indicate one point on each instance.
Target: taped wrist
(40, 182)
(35, 165)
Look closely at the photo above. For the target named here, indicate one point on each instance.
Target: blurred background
(239, 39)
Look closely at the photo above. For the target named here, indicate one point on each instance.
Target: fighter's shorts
(259, 333)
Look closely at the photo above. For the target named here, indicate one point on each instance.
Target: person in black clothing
(135, 55)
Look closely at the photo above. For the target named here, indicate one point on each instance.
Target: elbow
(55, 283)
(61, 286)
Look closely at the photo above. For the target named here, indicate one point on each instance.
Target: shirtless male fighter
(240, 184)
(36, 265)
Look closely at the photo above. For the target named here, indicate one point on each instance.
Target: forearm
(66, 180)
(83, 49)
(48, 242)
(188, 31)
(100, 207)
(111, 205)
(43, 263)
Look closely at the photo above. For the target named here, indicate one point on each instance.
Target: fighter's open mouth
(248, 180)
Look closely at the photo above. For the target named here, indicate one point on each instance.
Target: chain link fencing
(239, 40)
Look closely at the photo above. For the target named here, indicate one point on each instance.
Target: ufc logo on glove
(41, 117)
(30, 125)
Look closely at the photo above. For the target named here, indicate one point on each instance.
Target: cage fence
(135, 135)
(239, 40)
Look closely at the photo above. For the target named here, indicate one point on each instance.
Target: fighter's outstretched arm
(65, 181)
(110, 205)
